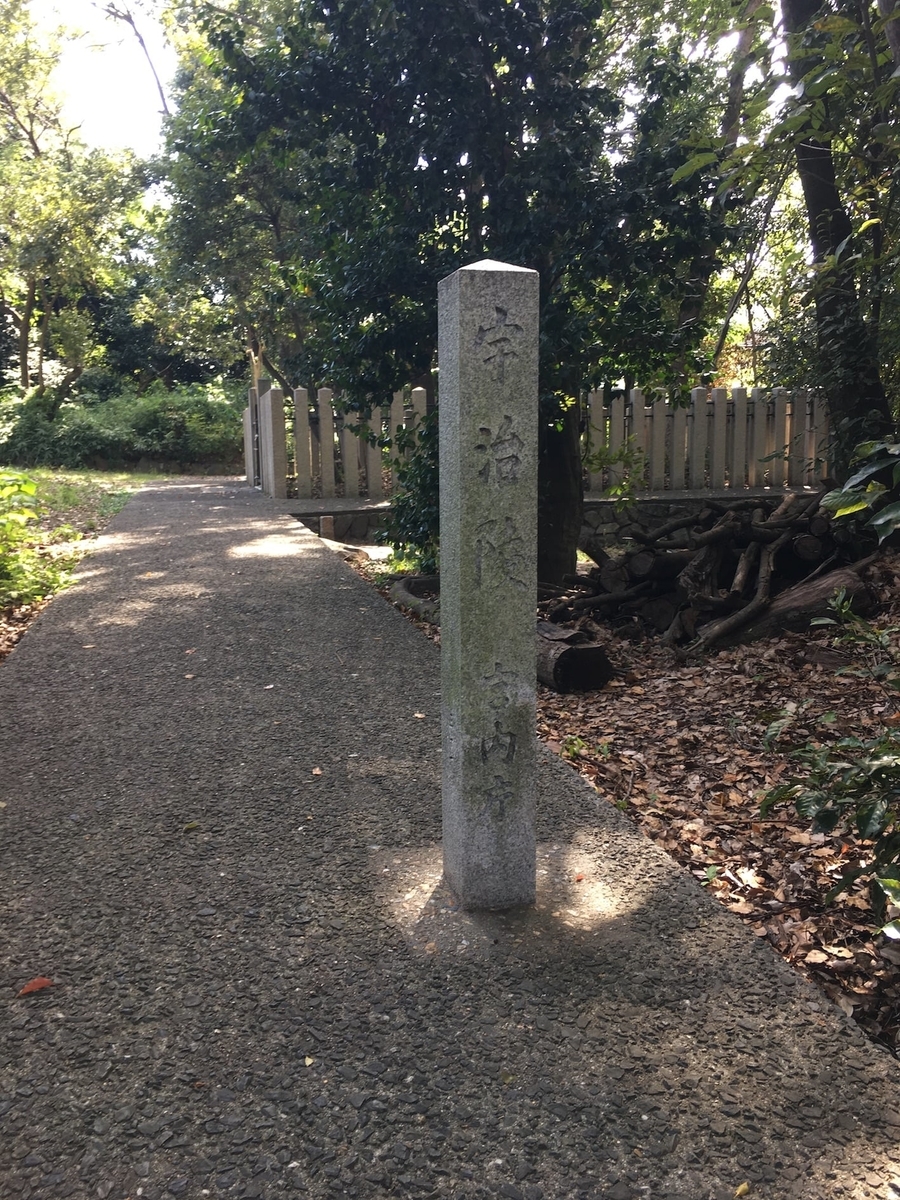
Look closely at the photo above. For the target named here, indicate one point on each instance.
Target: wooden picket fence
(724, 439)
(330, 452)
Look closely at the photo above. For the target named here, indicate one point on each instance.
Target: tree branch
(123, 13)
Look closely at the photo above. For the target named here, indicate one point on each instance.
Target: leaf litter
(681, 749)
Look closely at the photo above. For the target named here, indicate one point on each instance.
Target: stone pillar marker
(488, 364)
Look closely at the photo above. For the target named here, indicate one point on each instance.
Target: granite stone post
(272, 443)
(488, 362)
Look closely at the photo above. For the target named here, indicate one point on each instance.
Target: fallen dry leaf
(35, 985)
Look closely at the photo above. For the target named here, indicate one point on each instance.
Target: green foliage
(630, 461)
(869, 501)
(79, 499)
(853, 783)
(189, 425)
(28, 573)
(413, 525)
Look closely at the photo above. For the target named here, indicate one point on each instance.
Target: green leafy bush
(79, 439)
(27, 574)
(186, 426)
(413, 526)
(870, 499)
(29, 441)
(853, 784)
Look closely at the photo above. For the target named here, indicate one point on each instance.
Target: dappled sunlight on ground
(274, 545)
(571, 898)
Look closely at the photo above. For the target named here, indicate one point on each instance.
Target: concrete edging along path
(220, 840)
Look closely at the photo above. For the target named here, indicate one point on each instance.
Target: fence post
(272, 443)
(419, 400)
(249, 438)
(638, 417)
(737, 470)
(756, 467)
(349, 458)
(324, 399)
(797, 435)
(596, 436)
(659, 422)
(374, 481)
(699, 438)
(679, 448)
(821, 435)
(781, 439)
(616, 437)
(720, 437)
(302, 443)
(398, 420)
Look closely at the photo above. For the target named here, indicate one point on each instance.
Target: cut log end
(565, 667)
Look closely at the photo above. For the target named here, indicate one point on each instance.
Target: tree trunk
(851, 377)
(25, 335)
(560, 496)
(890, 13)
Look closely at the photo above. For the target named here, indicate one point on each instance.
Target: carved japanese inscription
(500, 796)
(502, 746)
(498, 342)
(503, 453)
(500, 552)
(500, 685)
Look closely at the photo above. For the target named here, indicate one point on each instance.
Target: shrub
(30, 442)
(26, 574)
(185, 426)
(80, 439)
(413, 525)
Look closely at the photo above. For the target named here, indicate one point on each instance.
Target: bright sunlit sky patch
(103, 78)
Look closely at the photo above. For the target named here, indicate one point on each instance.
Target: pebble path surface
(219, 771)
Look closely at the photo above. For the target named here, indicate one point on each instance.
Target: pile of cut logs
(733, 572)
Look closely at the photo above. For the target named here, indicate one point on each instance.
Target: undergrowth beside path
(69, 509)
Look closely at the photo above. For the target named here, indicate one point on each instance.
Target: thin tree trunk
(704, 266)
(44, 343)
(25, 335)
(890, 14)
(560, 496)
(851, 377)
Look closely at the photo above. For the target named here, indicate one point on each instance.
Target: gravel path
(219, 765)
